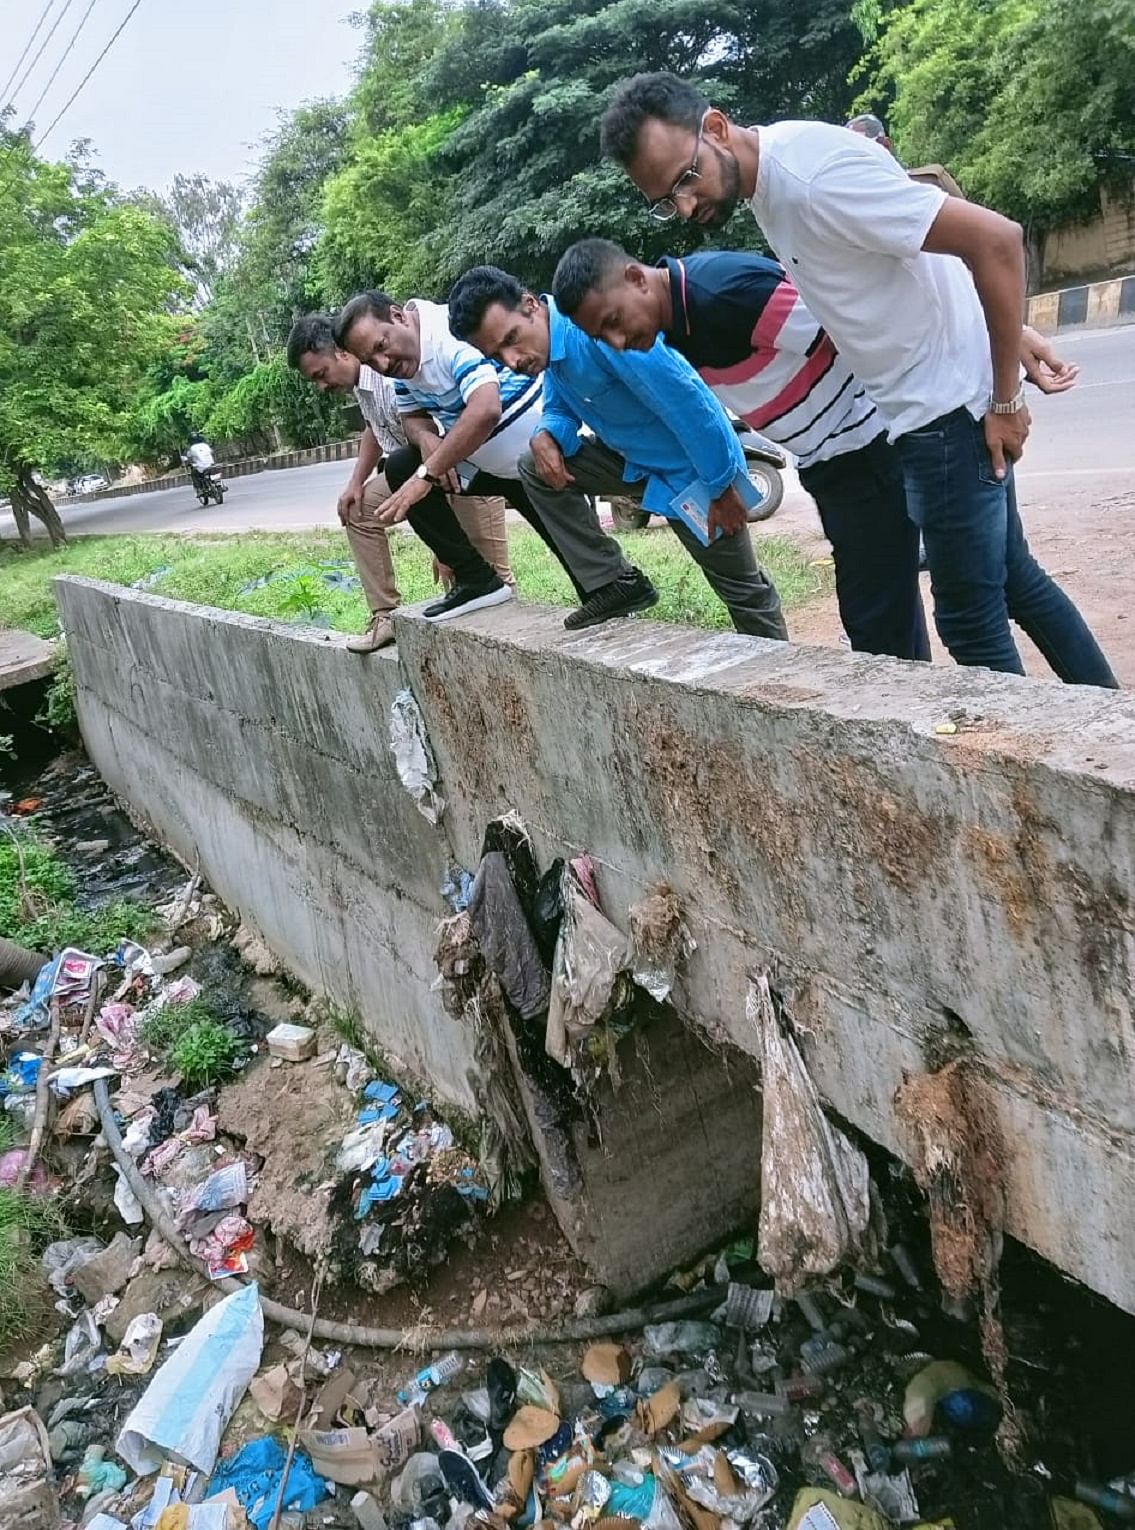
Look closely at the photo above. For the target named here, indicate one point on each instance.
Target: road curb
(1093, 305)
(333, 451)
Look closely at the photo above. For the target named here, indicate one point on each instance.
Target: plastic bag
(413, 757)
(815, 1186)
(184, 1410)
(591, 956)
(548, 910)
(660, 942)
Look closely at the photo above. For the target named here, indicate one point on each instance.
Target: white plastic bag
(815, 1186)
(183, 1412)
(413, 757)
(591, 956)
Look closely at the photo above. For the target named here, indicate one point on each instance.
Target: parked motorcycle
(765, 462)
(210, 484)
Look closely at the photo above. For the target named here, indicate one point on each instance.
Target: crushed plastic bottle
(429, 1377)
(930, 1448)
(662, 1339)
(819, 1453)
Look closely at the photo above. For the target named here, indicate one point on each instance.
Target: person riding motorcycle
(198, 458)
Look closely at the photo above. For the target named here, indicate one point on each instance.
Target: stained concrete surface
(23, 658)
(930, 861)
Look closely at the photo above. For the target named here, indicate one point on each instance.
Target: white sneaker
(464, 598)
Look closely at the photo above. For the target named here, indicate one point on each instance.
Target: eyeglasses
(666, 208)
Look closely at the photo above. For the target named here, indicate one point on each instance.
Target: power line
(39, 51)
(88, 74)
(27, 46)
(62, 61)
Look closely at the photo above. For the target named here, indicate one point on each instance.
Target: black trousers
(434, 521)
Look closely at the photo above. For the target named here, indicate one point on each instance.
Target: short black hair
(364, 305)
(662, 96)
(313, 332)
(586, 265)
(474, 291)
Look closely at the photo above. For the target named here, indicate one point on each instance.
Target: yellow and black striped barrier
(1091, 306)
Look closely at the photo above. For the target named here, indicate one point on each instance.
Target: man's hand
(443, 575)
(1043, 366)
(350, 498)
(403, 500)
(727, 514)
(549, 460)
(1005, 436)
(449, 481)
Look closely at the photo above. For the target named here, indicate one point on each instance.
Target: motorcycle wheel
(203, 500)
(767, 479)
(628, 515)
(219, 496)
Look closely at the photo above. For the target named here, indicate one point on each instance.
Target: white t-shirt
(450, 372)
(848, 225)
(200, 456)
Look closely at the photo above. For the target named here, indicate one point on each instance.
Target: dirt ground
(1083, 533)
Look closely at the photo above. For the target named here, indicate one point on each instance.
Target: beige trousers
(481, 519)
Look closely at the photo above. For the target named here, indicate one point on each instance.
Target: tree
(524, 162)
(86, 281)
(1030, 105)
(206, 217)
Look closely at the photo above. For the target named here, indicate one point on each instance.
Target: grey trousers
(729, 564)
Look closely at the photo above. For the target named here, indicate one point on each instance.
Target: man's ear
(716, 127)
(635, 275)
(529, 303)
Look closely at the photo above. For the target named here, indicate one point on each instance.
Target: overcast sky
(190, 85)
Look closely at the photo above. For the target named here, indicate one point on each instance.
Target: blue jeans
(862, 503)
(982, 573)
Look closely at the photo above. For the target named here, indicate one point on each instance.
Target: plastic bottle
(878, 1454)
(431, 1376)
(934, 1447)
(875, 1285)
(1110, 1500)
(812, 1312)
(762, 1404)
(820, 1355)
(906, 1266)
(801, 1388)
(819, 1453)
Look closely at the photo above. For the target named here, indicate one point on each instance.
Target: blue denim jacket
(649, 406)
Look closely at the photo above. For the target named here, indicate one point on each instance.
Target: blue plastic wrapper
(254, 1475)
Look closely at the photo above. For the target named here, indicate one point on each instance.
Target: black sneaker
(630, 592)
(468, 597)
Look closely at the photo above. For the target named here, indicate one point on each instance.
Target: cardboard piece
(607, 1364)
(347, 1456)
(276, 1392)
(659, 1409)
(396, 1442)
(530, 1427)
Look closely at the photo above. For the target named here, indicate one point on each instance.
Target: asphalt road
(1077, 439)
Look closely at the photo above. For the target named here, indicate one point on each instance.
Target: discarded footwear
(467, 597)
(629, 593)
(463, 1479)
(380, 634)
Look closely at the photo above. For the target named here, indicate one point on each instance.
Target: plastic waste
(430, 1376)
(948, 1391)
(189, 1402)
(367, 1512)
(83, 1343)
(762, 1404)
(548, 910)
(747, 1307)
(98, 1475)
(136, 1354)
(413, 757)
(820, 1454)
(690, 1338)
(928, 1448)
(660, 942)
(1110, 1500)
(815, 1186)
(802, 1388)
(254, 1474)
(590, 960)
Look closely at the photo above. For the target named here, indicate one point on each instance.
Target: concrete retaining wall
(917, 893)
(1094, 305)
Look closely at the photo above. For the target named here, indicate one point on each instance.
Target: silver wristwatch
(1015, 403)
(423, 472)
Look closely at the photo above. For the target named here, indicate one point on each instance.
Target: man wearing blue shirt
(659, 430)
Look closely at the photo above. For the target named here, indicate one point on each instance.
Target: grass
(54, 919)
(278, 574)
(28, 1223)
(193, 1042)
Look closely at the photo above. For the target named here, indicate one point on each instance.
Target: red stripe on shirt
(795, 391)
(774, 315)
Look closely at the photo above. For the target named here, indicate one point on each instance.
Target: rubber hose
(18, 964)
(575, 1329)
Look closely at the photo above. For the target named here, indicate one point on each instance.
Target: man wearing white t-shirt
(934, 339)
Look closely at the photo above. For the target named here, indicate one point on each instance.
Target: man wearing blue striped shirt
(487, 414)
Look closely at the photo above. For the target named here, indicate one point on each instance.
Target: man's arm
(365, 463)
(993, 248)
(471, 429)
(556, 436)
(669, 387)
(1043, 366)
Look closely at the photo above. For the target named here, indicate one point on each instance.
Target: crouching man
(312, 351)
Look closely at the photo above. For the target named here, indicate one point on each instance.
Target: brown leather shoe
(378, 635)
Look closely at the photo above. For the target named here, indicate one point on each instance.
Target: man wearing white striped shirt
(743, 326)
(487, 414)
